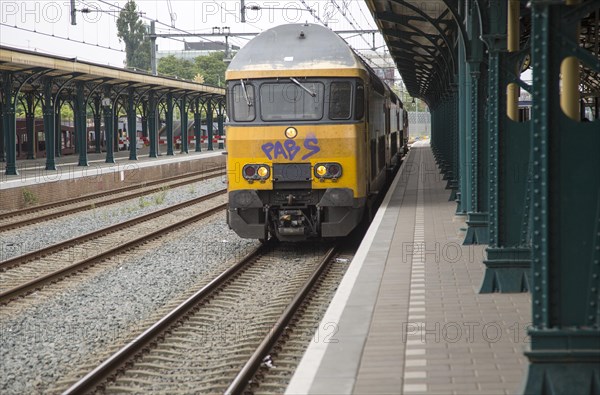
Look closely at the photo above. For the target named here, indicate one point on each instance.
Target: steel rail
(20, 259)
(90, 381)
(37, 283)
(240, 382)
(81, 199)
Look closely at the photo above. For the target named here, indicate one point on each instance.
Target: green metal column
(197, 124)
(109, 133)
(58, 128)
(184, 125)
(453, 143)
(97, 121)
(209, 123)
(565, 338)
(80, 123)
(508, 255)
(116, 126)
(220, 119)
(152, 129)
(30, 125)
(462, 196)
(442, 132)
(444, 160)
(132, 124)
(169, 122)
(433, 143)
(477, 223)
(2, 136)
(144, 119)
(49, 123)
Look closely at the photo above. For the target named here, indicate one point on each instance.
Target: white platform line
(306, 371)
(412, 348)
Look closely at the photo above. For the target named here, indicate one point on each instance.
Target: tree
(208, 69)
(175, 67)
(131, 30)
(212, 68)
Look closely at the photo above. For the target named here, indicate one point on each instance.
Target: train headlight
(328, 170)
(291, 133)
(321, 171)
(253, 172)
(262, 172)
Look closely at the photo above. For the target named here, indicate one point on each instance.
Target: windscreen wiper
(246, 93)
(295, 81)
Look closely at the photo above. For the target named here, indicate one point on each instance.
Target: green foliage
(29, 197)
(175, 67)
(131, 30)
(159, 198)
(142, 202)
(210, 67)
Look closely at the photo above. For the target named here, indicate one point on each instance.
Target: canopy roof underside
(423, 40)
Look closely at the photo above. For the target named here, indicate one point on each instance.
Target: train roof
(294, 47)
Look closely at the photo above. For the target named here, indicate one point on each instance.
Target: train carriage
(313, 135)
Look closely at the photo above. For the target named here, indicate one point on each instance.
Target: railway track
(25, 273)
(20, 218)
(217, 339)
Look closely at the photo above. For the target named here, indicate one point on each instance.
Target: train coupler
(291, 223)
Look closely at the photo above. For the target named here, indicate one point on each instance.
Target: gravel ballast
(35, 237)
(51, 338)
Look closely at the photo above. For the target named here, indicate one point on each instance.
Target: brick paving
(413, 321)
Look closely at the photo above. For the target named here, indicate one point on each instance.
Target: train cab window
(293, 101)
(340, 98)
(359, 103)
(242, 102)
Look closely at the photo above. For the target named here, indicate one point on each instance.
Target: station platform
(70, 180)
(68, 164)
(407, 317)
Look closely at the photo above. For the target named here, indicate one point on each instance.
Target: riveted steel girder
(565, 337)
(508, 262)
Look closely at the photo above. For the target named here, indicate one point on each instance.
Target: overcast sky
(44, 26)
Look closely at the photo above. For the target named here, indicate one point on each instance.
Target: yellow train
(313, 135)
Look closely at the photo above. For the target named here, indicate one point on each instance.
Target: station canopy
(26, 63)
(421, 38)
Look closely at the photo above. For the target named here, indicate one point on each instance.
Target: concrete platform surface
(32, 171)
(407, 317)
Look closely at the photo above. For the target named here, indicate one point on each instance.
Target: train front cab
(313, 151)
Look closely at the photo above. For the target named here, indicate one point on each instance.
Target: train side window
(359, 103)
(242, 103)
(339, 100)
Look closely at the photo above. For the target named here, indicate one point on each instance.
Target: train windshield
(291, 101)
(242, 101)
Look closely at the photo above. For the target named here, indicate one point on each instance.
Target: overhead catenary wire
(61, 37)
(157, 21)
